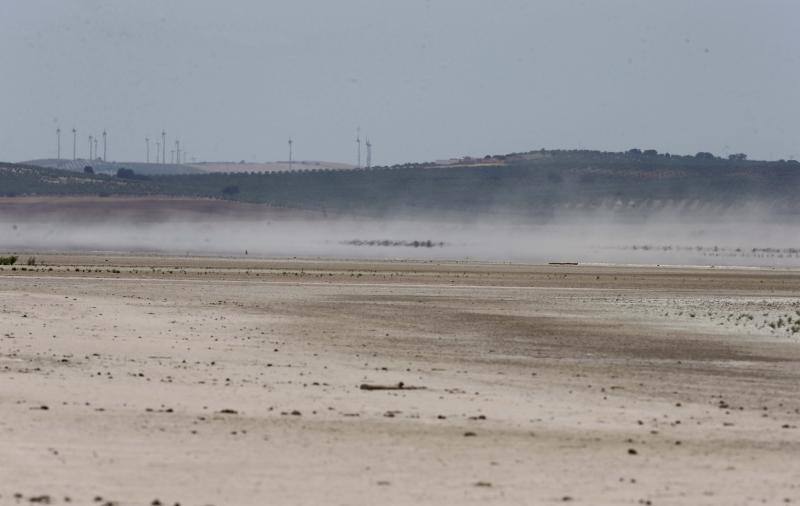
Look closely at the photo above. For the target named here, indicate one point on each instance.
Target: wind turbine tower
(104, 145)
(177, 151)
(290, 154)
(58, 151)
(74, 142)
(163, 146)
(158, 150)
(369, 154)
(90, 147)
(147, 149)
(358, 142)
(95, 146)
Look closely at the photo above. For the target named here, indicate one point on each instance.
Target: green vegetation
(9, 260)
(18, 180)
(537, 182)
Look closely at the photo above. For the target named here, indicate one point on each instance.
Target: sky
(423, 79)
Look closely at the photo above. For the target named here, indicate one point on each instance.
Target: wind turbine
(104, 145)
(58, 135)
(90, 147)
(147, 149)
(369, 153)
(163, 146)
(177, 151)
(74, 142)
(95, 146)
(158, 150)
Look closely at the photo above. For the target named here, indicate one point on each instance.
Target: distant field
(268, 166)
(138, 209)
(155, 169)
(99, 166)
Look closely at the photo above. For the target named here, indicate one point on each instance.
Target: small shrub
(124, 173)
(9, 260)
(31, 261)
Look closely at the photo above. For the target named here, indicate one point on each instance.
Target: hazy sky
(425, 79)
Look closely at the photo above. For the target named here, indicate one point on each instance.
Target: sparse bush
(88, 170)
(9, 260)
(125, 173)
(31, 261)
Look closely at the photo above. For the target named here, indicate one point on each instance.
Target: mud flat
(156, 380)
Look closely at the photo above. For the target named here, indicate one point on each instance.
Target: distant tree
(124, 173)
(704, 155)
(230, 190)
(650, 152)
(635, 151)
(88, 170)
(737, 157)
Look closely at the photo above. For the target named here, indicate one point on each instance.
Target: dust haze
(745, 238)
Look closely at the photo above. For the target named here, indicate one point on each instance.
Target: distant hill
(18, 180)
(154, 169)
(533, 184)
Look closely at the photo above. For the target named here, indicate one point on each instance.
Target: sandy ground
(130, 380)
